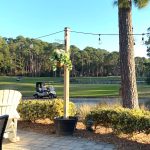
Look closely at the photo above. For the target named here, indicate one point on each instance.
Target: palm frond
(141, 3)
(115, 3)
(127, 3)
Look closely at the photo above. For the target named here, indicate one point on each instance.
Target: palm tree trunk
(127, 63)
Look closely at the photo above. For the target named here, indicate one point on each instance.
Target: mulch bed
(101, 134)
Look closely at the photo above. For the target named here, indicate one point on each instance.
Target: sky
(35, 18)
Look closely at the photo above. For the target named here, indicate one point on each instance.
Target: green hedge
(121, 120)
(32, 110)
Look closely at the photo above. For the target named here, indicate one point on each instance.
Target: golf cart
(44, 89)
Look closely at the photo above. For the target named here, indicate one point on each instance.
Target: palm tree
(126, 49)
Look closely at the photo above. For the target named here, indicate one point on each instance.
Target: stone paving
(35, 141)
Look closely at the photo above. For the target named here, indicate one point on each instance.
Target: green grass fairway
(27, 87)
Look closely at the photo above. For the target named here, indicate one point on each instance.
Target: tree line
(30, 57)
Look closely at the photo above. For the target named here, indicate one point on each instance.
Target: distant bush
(121, 120)
(147, 80)
(147, 104)
(32, 110)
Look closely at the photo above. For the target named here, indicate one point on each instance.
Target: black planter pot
(65, 126)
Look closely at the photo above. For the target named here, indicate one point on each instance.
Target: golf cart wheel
(36, 96)
(51, 96)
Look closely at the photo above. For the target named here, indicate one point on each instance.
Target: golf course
(85, 87)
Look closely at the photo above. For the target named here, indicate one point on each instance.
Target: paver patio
(35, 141)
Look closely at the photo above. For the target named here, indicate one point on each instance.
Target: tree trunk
(127, 63)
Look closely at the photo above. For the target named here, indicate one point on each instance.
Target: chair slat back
(9, 100)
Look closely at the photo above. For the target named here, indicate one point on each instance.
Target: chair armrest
(5, 105)
(14, 115)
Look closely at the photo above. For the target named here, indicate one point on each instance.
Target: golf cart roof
(49, 82)
(44, 83)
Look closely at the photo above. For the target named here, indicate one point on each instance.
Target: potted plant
(59, 58)
(63, 125)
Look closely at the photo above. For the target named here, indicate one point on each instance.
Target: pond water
(93, 101)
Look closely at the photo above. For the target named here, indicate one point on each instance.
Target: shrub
(83, 110)
(121, 120)
(32, 110)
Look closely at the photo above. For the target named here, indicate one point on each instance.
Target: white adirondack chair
(9, 100)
